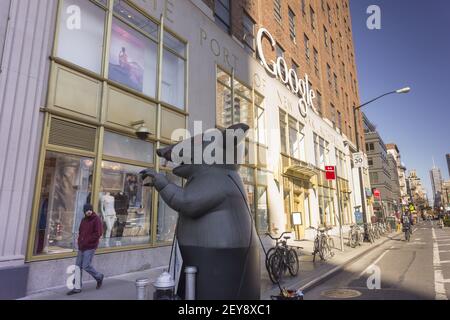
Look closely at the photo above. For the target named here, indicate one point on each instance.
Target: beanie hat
(87, 207)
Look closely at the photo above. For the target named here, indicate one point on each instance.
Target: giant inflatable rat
(215, 232)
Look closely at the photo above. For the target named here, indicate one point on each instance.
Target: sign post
(331, 174)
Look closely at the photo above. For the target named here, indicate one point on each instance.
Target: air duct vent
(72, 135)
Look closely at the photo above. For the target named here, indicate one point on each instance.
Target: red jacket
(91, 230)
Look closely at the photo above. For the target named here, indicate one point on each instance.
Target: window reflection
(167, 217)
(66, 188)
(125, 206)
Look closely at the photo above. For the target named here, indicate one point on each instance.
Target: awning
(302, 170)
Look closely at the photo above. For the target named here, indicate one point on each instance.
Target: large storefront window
(132, 58)
(133, 40)
(125, 206)
(256, 191)
(91, 151)
(174, 71)
(81, 34)
(167, 217)
(124, 203)
(327, 210)
(66, 188)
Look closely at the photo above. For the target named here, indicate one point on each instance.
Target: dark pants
(84, 262)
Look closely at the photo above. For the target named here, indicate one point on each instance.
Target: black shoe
(100, 282)
(74, 291)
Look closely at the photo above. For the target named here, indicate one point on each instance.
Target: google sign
(289, 77)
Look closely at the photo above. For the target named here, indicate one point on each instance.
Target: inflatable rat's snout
(166, 152)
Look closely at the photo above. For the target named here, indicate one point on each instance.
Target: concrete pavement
(415, 270)
(123, 287)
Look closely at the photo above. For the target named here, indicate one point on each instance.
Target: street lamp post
(361, 185)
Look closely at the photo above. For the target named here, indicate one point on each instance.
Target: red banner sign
(330, 172)
(376, 193)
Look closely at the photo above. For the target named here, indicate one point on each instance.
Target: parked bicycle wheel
(276, 267)
(330, 245)
(323, 248)
(352, 239)
(268, 256)
(293, 264)
(316, 248)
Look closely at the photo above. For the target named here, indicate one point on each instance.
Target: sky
(412, 48)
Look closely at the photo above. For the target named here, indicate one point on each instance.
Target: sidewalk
(311, 273)
(123, 287)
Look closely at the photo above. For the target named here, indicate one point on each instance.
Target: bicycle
(323, 244)
(281, 259)
(354, 236)
(370, 232)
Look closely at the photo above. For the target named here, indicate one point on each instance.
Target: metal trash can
(165, 287)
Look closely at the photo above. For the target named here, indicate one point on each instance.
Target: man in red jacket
(90, 232)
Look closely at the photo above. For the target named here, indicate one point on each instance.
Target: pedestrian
(89, 235)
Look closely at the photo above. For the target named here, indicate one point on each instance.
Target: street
(415, 270)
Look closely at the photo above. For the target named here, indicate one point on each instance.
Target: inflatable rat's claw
(147, 173)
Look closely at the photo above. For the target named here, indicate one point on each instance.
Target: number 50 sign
(358, 160)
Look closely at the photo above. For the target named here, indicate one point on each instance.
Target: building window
(330, 21)
(296, 139)
(66, 188)
(370, 147)
(222, 14)
(321, 151)
(319, 103)
(343, 71)
(280, 54)
(304, 7)
(125, 205)
(292, 26)
(333, 115)
(174, 72)
(339, 121)
(283, 132)
(82, 46)
(329, 75)
(316, 62)
(374, 177)
(336, 84)
(326, 39)
(295, 67)
(307, 50)
(332, 47)
(370, 162)
(312, 18)
(236, 103)
(249, 32)
(4, 15)
(167, 217)
(277, 10)
(133, 54)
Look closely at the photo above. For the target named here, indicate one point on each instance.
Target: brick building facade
(304, 30)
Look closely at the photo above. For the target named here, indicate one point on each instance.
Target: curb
(310, 285)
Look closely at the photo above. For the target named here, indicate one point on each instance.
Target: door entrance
(298, 209)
